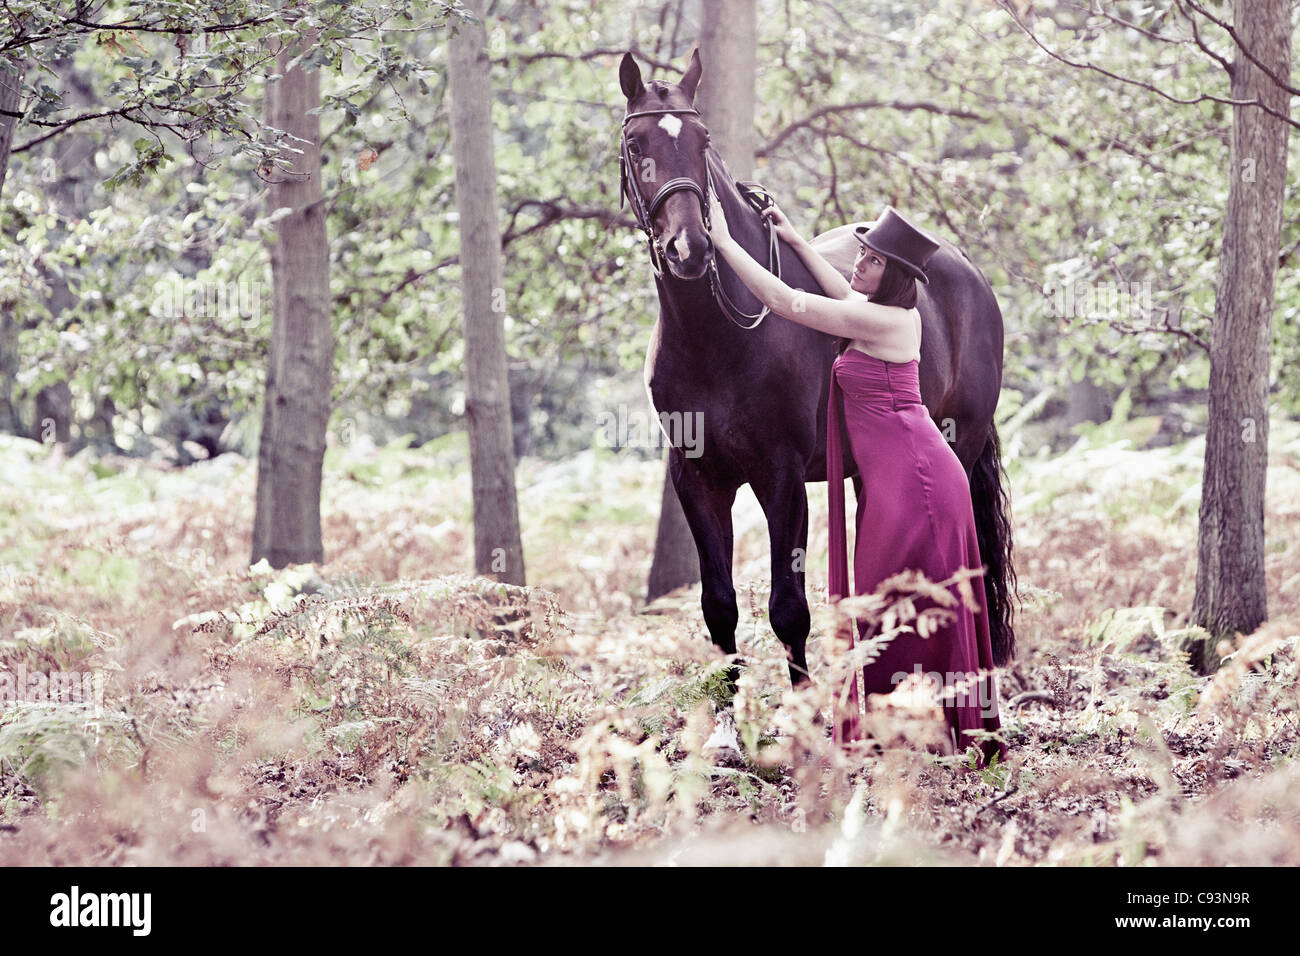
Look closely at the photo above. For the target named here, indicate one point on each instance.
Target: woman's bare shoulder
(912, 313)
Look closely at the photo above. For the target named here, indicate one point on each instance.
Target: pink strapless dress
(915, 512)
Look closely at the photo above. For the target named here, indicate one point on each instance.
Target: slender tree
(726, 97)
(286, 528)
(68, 175)
(675, 563)
(11, 85)
(1231, 592)
(11, 88)
(498, 550)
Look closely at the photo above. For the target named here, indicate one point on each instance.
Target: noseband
(754, 193)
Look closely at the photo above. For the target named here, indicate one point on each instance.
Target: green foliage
(706, 683)
(42, 741)
(1058, 182)
(150, 157)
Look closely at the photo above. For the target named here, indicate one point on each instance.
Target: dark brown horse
(760, 392)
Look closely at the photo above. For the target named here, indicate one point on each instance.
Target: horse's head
(666, 147)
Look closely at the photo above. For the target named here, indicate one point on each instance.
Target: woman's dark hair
(897, 287)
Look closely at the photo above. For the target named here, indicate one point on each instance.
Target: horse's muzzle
(689, 253)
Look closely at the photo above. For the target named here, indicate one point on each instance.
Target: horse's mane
(746, 226)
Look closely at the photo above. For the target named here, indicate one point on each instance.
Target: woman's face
(867, 270)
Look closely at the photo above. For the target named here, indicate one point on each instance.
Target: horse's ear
(691, 78)
(629, 75)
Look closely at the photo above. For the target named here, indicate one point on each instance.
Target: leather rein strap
(758, 197)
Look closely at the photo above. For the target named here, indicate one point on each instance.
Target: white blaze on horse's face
(671, 125)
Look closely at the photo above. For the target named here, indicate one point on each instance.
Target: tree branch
(126, 26)
(585, 55)
(1182, 101)
(552, 211)
(1164, 328)
(66, 125)
(1228, 29)
(814, 116)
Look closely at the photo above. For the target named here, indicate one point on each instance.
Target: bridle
(645, 216)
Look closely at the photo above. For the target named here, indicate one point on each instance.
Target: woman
(914, 487)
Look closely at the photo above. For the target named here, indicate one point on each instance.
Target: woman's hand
(718, 230)
(782, 225)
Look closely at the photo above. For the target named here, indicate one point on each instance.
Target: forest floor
(386, 707)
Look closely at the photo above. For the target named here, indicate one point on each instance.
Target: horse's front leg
(784, 498)
(707, 503)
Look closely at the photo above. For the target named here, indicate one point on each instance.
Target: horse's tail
(988, 488)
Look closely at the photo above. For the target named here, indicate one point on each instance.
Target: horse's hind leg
(785, 502)
(707, 505)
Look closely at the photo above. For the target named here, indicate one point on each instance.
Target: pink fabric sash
(845, 708)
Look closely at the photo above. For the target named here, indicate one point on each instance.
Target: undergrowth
(386, 707)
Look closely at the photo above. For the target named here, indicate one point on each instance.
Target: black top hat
(895, 237)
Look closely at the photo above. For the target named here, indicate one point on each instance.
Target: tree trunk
(286, 529)
(1231, 595)
(725, 99)
(729, 54)
(498, 550)
(67, 173)
(1087, 402)
(11, 87)
(53, 406)
(676, 562)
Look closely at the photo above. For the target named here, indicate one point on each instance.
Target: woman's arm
(855, 317)
(828, 277)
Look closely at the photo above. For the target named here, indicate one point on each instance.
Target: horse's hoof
(723, 746)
